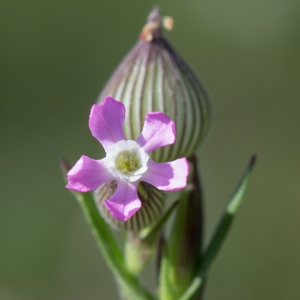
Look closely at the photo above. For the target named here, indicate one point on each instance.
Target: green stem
(227, 218)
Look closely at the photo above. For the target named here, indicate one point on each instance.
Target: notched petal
(169, 176)
(125, 202)
(106, 122)
(152, 205)
(87, 174)
(158, 131)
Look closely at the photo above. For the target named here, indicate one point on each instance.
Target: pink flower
(127, 161)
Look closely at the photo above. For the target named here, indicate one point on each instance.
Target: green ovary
(127, 162)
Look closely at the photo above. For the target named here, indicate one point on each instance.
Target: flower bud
(152, 204)
(185, 241)
(153, 77)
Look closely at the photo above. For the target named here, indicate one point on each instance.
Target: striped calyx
(153, 77)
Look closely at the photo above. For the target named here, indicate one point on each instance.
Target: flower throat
(127, 162)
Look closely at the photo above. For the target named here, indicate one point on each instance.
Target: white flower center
(127, 160)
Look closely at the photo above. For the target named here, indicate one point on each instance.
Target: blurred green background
(55, 58)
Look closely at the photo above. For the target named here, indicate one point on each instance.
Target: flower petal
(169, 176)
(158, 131)
(106, 122)
(87, 174)
(125, 202)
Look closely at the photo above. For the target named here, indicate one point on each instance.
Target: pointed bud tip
(154, 15)
(152, 29)
(253, 160)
